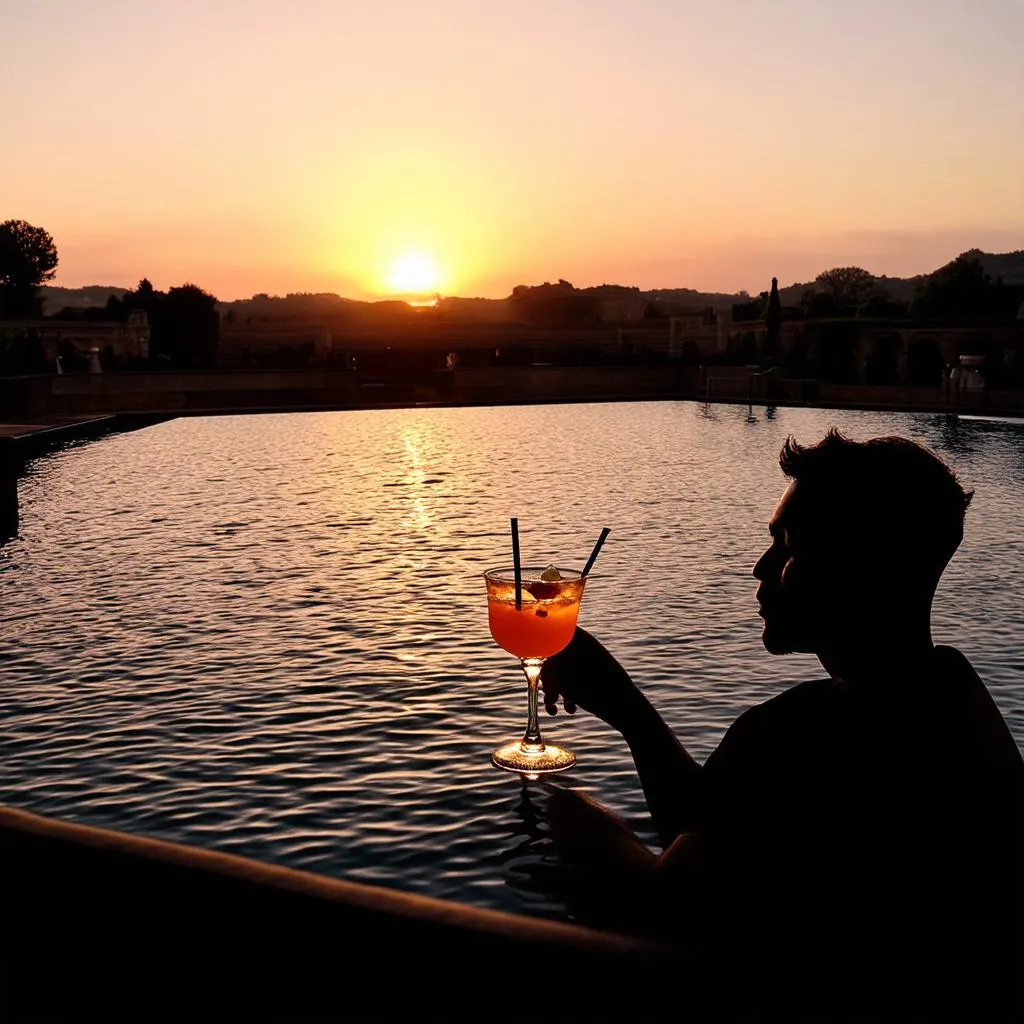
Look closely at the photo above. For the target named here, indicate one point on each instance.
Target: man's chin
(775, 642)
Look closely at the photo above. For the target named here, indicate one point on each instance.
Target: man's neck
(888, 653)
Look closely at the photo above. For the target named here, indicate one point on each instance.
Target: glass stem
(532, 740)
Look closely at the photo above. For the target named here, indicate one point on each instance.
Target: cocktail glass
(540, 625)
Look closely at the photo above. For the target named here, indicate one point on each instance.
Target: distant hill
(56, 298)
(693, 298)
(1008, 265)
(328, 306)
(311, 308)
(899, 289)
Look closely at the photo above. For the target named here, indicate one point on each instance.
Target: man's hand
(584, 674)
(615, 881)
(610, 873)
(587, 833)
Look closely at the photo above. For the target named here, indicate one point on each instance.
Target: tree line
(183, 322)
(184, 325)
(961, 290)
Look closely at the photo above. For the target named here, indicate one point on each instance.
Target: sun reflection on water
(422, 515)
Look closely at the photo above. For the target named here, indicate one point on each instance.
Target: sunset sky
(359, 146)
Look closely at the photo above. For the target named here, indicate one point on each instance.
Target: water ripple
(266, 634)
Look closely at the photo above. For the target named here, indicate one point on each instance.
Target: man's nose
(759, 566)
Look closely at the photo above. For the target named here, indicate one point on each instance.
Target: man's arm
(585, 674)
(670, 777)
(609, 873)
(614, 881)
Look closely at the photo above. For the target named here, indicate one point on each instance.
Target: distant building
(253, 339)
(619, 308)
(128, 340)
(706, 329)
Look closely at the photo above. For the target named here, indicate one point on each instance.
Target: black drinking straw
(593, 554)
(516, 566)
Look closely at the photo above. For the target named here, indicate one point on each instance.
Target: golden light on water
(414, 273)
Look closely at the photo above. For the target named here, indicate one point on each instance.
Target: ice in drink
(545, 620)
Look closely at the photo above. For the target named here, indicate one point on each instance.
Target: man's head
(859, 540)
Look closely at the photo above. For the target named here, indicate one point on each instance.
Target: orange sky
(308, 146)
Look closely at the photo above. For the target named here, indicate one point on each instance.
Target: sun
(414, 273)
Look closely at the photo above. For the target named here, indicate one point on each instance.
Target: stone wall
(916, 353)
(83, 394)
(31, 398)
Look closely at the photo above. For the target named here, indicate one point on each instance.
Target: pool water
(268, 634)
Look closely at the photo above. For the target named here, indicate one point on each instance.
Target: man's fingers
(550, 690)
(552, 695)
(551, 707)
(550, 681)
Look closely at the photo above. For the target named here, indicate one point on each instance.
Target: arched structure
(926, 366)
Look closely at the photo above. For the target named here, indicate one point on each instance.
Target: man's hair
(889, 493)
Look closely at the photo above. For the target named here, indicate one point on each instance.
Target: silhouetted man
(853, 846)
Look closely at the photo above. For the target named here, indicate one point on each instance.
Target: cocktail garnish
(544, 588)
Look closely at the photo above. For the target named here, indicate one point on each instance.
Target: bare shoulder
(807, 698)
(975, 709)
(764, 726)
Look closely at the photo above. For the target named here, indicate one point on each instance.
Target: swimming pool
(268, 634)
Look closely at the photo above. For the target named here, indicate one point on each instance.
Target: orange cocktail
(533, 621)
(544, 621)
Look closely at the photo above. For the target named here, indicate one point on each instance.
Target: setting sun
(414, 273)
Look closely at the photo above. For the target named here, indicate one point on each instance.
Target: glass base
(518, 757)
